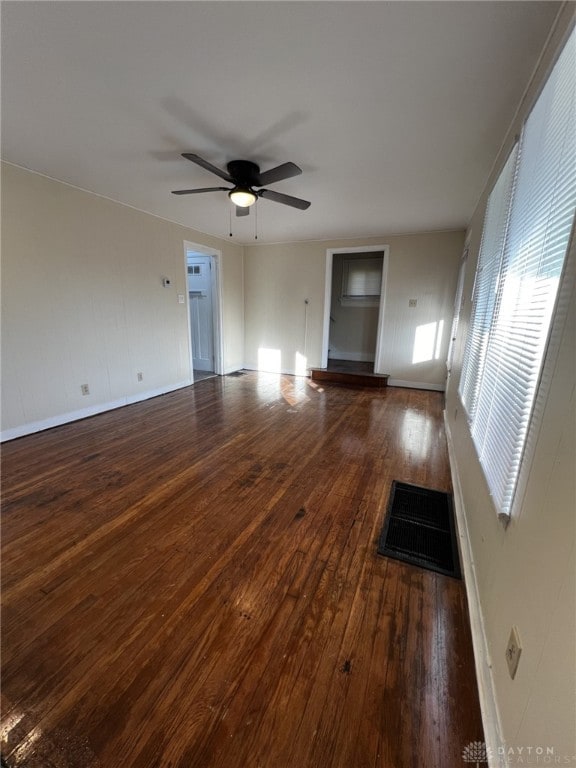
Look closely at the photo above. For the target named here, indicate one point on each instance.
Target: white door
(201, 314)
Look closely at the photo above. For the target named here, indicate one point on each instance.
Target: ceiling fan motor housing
(244, 173)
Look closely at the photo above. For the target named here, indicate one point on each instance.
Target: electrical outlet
(139, 376)
(85, 389)
(412, 302)
(513, 651)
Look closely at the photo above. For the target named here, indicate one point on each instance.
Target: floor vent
(419, 529)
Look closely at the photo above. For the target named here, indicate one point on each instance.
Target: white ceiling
(395, 111)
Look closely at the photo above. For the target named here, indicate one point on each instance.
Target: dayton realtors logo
(476, 752)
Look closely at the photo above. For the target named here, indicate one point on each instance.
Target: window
(525, 237)
(362, 281)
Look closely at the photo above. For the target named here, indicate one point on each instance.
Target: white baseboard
(84, 413)
(416, 385)
(391, 382)
(486, 690)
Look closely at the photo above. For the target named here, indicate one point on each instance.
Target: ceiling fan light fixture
(242, 197)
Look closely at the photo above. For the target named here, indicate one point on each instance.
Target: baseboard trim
(486, 690)
(391, 382)
(415, 385)
(84, 413)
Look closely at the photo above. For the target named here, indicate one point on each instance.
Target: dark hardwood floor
(192, 582)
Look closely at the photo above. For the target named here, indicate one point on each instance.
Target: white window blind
(362, 278)
(526, 233)
(486, 283)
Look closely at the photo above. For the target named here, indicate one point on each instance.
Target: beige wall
(526, 575)
(83, 302)
(281, 329)
(279, 277)
(414, 340)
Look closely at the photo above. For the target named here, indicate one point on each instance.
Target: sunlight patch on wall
(300, 364)
(427, 342)
(269, 360)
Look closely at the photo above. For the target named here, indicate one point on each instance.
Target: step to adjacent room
(350, 373)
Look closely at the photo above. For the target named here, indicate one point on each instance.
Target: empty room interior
(288, 369)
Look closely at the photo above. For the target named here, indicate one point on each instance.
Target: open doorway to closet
(355, 292)
(203, 284)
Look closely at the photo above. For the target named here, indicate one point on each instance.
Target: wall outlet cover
(513, 651)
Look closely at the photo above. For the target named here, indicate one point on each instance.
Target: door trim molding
(330, 252)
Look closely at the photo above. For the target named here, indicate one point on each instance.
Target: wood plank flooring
(192, 582)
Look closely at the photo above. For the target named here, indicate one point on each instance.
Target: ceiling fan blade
(278, 197)
(284, 171)
(242, 211)
(202, 189)
(208, 166)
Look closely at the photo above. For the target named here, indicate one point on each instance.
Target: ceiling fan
(245, 176)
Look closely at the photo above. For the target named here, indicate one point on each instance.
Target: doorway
(202, 277)
(354, 307)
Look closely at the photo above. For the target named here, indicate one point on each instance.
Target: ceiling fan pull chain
(230, 218)
(256, 221)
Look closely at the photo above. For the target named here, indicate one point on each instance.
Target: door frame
(216, 286)
(458, 305)
(330, 252)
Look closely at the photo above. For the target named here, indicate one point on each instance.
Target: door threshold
(201, 375)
